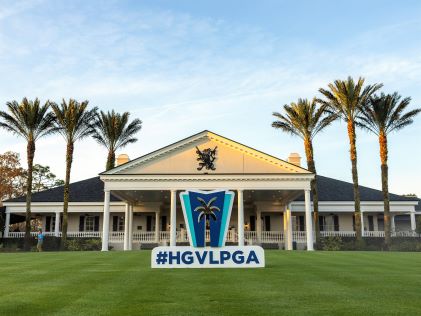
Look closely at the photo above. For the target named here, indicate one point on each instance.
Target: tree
(11, 174)
(44, 179)
(305, 120)
(114, 131)
(74, 122)
(382, 115)
(30, 120)
(346, 98)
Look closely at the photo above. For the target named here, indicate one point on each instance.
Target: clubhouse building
(136, 205)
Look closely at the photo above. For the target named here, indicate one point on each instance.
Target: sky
(226, 66)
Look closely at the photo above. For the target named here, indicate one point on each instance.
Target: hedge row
(370, 244)
(52, 243)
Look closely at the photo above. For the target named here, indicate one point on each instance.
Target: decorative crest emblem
(206, 158)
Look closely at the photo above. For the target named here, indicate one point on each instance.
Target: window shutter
(336, 223)
(96, 226)
(82, 223)
(115, 223)
(48, 223)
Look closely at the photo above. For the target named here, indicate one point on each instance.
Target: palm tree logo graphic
(207, 210)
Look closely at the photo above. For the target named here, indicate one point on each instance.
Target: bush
(406, 245)
(83, 244)
(332, 243)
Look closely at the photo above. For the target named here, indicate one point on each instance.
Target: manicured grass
(293, 283)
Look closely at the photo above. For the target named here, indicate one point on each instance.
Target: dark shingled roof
(337, 190)
(89, 190)
(92, 190)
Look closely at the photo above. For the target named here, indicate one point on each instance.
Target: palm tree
(114, 131)
(382, 115)
(305, 119)
(74, 122)
(346, 98)
(30, 120)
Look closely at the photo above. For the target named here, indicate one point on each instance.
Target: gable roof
(330, 190)
(211, 136)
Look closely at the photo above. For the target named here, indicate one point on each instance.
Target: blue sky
(186, 66)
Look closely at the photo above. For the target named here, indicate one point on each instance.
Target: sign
(207, 214)
(208, 257)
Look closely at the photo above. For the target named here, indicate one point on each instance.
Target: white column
(106, 221)
(130, 241)
(57, 225)
(362, 223)
(393, 224)
(289, 227)
(285, 229)
(259, 225)
(309, 221)
(240, 217)
(126, 228)
(413, 222)
(173, 214)
(6, 225)
(157, 224)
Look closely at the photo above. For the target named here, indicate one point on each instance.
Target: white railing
(251, 237)
(144, 237)
(369, 233)
(272, 237)
(299, 236)
(84, 234)
(337, 233)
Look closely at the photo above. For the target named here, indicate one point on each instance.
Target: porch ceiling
(275, 196)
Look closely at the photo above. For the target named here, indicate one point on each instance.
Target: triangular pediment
(231, 158)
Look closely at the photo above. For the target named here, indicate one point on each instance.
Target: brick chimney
(121, 159)
(295, 159)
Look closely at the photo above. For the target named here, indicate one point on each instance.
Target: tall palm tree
(114, 131)
(305, 119)
(30, 120)
(382, 115)
(74, 122)
(346, 98)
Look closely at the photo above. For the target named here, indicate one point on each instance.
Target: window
(118, 223)
(89, 223)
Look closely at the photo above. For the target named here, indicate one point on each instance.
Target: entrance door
(253, 223)
(163, 223)
(267, 223)
(148, 223)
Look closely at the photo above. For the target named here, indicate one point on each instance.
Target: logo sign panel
(207, 215)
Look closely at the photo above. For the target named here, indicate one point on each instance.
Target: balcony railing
(251, 237)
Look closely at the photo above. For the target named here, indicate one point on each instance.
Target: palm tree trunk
(30, 153)
(353, 154)
(110, 159)
(69, 160)
(385, 188)
(308, 145)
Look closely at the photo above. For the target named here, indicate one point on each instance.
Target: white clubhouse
(136, 205)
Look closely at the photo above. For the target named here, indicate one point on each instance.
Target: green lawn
(118, 283)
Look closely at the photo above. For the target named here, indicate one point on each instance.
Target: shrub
(93, 244)
(83, 244)
(333, 243)
(406, 245)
